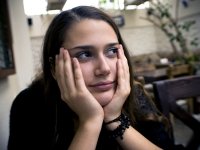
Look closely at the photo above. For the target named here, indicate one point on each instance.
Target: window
(7, 66)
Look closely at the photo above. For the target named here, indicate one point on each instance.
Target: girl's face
(95, 45)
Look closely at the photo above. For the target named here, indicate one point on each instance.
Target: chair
(178, 71)
(168, 92)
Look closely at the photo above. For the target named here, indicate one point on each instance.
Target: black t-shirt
(41, 124)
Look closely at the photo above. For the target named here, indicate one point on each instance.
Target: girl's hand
(113, 109)
(73, 89)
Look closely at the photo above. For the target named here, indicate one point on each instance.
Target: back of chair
(168, 92)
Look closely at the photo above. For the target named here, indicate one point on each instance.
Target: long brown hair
(54, 39)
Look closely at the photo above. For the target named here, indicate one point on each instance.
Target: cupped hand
(114, 108)
(73, 90)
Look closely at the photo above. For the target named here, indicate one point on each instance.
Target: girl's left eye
(83, 55)
(112, 51)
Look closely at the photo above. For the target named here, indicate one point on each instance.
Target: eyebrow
(91, 46)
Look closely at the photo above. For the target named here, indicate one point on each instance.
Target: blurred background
(158, 33)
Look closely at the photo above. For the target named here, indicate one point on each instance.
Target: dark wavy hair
(138, 106)
(54, 39)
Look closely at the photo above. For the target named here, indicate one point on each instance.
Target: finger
(124, 61)
(120, 74)
(123, 57)
(60, 72)
(68, 72)
(78, 76)
(123, 87)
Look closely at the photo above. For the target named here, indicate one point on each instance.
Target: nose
(102, 67)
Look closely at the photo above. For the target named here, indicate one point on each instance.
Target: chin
(104, 98)
(104, 102)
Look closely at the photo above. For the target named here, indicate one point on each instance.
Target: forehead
(90, 31)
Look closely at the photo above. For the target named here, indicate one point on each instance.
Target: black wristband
(114, 120)
(119, 131)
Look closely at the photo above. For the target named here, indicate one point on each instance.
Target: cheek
(113, 67)
(87, 73)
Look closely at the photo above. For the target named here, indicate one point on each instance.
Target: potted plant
(159, 14)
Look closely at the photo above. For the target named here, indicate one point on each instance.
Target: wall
(8, 89)
(140, 36)
(39, 25)
(184, 14)
(10, 86)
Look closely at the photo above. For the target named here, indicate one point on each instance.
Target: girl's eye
(83, 55)
(112, 52)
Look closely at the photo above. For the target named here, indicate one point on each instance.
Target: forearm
(86, 136)
(128, 137)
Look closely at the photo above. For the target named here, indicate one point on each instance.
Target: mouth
(103, 86)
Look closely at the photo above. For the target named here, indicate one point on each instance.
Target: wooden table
(153, 75)
(164, 73)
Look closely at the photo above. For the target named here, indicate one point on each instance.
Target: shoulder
(28, 98)
(145, 102)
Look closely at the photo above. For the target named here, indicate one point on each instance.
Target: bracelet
(114, 120)
(119, 131)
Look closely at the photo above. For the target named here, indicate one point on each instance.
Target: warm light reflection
(35, 7)
(53, 12)
(73, 3)
(141, 6)
(38, 7)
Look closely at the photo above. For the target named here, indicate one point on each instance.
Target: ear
(52, 67)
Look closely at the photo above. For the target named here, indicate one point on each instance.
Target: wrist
(91, 121)
(92, 125)
(118, 126)
(94, 118)
(112, 126)
(111, 118)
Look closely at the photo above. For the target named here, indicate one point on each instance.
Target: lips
(103, 86)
